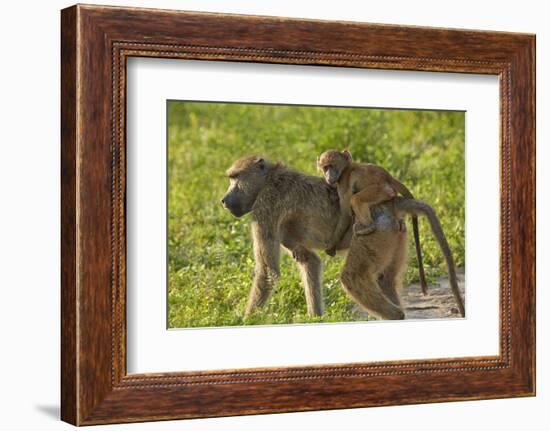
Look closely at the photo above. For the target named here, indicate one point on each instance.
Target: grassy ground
(210, 264)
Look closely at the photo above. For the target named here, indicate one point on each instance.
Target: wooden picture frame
(95, 43)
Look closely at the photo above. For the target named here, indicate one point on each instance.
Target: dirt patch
(439, 303)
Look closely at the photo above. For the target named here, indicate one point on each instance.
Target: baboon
(300, 212)
(361, 186)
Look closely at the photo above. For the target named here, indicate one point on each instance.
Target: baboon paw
(361, 229)
(331, 251)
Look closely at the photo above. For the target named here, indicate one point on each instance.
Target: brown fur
(361, 186)
(300, 213)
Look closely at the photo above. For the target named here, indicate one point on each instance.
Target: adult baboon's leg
(267, 250)
(366, 292)
(390, 281)
(360, 281)
(310, 268)
(386, 283)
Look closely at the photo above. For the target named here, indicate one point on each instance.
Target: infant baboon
(361, 186)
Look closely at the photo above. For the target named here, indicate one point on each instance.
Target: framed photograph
(265, 215)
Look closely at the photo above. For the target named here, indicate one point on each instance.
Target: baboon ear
(347, 155)
(261, 163)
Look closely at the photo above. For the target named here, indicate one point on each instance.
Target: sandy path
(437, 304)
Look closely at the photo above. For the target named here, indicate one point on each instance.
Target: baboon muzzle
(232, 205)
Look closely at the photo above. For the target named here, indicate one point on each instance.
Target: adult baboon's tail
(401, 188)
(416, 207)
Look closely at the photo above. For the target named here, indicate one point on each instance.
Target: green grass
(210, 262)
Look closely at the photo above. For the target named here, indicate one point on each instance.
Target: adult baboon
(300, 212)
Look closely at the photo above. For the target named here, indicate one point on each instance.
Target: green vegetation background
(210, 263)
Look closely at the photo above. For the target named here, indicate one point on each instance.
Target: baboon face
(247, 177)
(331, 163)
